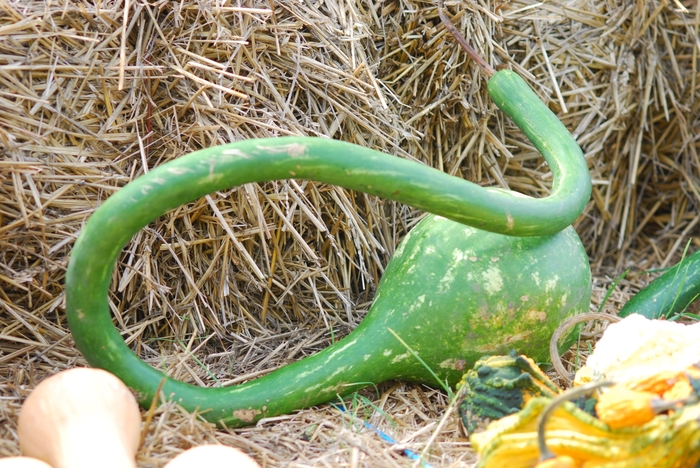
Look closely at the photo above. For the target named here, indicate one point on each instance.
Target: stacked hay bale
(93, 94)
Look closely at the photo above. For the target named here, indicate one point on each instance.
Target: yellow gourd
(621, 407)
(638, 401)
(681, 390)
(81, 418)
(667, 441)
(563, 461)
(658, 382)
(649, 416)
(220, 456)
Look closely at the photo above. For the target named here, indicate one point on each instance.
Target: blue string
(385, 436)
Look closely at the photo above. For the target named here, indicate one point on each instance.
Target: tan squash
(220, 456)
(22, 462)
(81, 418)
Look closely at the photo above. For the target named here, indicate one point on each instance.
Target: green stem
(304, 383)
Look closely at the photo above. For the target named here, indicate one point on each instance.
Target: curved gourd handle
(192, 176)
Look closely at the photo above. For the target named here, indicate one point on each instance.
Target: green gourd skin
(452, 292)
(668, 294)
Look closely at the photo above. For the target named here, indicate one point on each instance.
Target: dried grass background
(227, 288)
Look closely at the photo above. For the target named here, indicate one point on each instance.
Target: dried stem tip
(460, 39)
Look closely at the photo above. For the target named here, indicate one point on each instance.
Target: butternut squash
(81, 418)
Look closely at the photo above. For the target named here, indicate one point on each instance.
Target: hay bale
(93, 94)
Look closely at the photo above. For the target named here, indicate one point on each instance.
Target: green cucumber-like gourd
(670, 293)
(452, 292)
